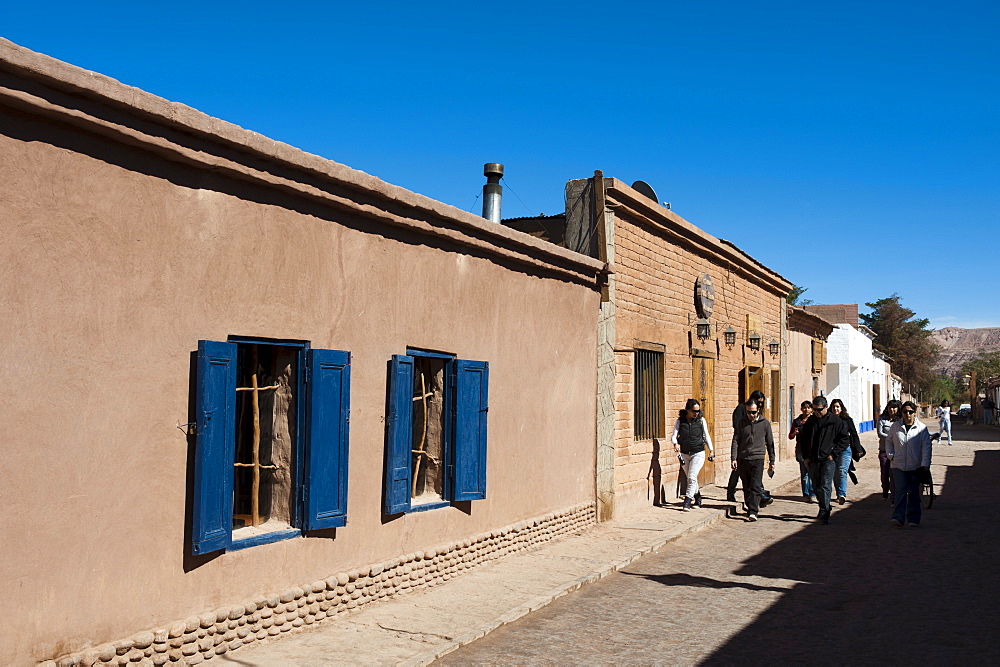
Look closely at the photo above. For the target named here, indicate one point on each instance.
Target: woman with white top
(690, 439)
(943, 413)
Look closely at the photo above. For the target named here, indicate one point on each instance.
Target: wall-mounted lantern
(755, 341)
(729, 336)
(774, 347)
(704, 329)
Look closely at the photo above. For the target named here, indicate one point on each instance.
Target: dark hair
(805, 404)
(843, 408)
(945, 404)
(910, 404)
(891, 404)
(756, 395)
(691, 402)
(819, 402)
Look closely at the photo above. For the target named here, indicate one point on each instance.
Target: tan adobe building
(683, 315)
(805, 362)
(255, 388)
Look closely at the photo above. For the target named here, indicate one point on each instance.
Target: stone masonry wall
(202, 636)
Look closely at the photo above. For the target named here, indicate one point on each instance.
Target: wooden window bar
(421, 450)
(256, 465)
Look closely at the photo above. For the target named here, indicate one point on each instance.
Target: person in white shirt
(690, 438)
(908, 447)
(943, 413)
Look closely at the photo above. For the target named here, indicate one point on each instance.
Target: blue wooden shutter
(471, 383)
(399, 435)
(215, 447)
(329, 404)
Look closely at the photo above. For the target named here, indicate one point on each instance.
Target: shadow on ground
(872, 593)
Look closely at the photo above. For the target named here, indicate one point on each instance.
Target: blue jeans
(906, 509)
(807, 487)
(843, 465)
(822, 478)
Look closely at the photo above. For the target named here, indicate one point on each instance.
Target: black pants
(752, 475)
(734, 478)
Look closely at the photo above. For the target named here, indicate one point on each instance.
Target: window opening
(428, 430)
(649, 421)
(263, 496)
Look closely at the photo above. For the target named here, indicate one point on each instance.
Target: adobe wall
(134, 228)
(658, 258)
(800, 375)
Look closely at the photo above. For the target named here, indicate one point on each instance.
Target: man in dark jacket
(739, 413)
(824, 437)
(751, 441)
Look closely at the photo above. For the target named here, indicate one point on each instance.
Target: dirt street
(789, 590)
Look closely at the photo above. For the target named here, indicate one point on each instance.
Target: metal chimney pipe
(492, 191)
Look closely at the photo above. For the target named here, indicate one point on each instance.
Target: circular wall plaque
(704, 296)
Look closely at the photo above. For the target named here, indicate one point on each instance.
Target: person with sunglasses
(751, 440)
(757, 396)
(908, 447)
(825, 437)
(690, 437)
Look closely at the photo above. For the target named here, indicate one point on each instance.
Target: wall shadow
(873, 593)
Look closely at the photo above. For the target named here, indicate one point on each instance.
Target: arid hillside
(961, 345)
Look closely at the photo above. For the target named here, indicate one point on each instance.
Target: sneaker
(896, 522)
(697, 501)
(913, 525)
(751, 517)
(687, 504)
(764, 502)
(841, 500)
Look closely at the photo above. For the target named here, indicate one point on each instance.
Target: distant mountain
(961, 345)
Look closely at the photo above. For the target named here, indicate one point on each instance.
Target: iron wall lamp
(729, 336)
(704, 328)
(774, 347)
(755, 342)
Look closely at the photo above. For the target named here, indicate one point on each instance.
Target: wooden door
(703, 389)
(755, 382)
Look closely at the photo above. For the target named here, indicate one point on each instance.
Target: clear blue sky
(852, 146)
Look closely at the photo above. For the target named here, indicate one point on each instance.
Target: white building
(855, 372)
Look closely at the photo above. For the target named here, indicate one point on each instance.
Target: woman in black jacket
(838, 409)
(690, 438)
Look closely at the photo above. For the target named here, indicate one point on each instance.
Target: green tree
(905, 339)
(944, 388)
(986, 365)
(794, 297)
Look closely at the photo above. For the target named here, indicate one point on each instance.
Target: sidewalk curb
(712, 517)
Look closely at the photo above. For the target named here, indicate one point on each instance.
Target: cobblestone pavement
(787, 589)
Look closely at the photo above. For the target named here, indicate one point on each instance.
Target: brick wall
(656, 270)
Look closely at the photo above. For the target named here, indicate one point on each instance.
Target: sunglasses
(909, 412)
(751, 412)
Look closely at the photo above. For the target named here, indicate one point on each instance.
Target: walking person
(838, 409)
(943, 413)
(825, 437)
(885, 420)
(756, 396)
(795, 433)
(908, 447)
(690, 438)
(989, 410)
(751, 441)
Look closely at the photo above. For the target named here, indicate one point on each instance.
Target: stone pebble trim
(202, 637)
